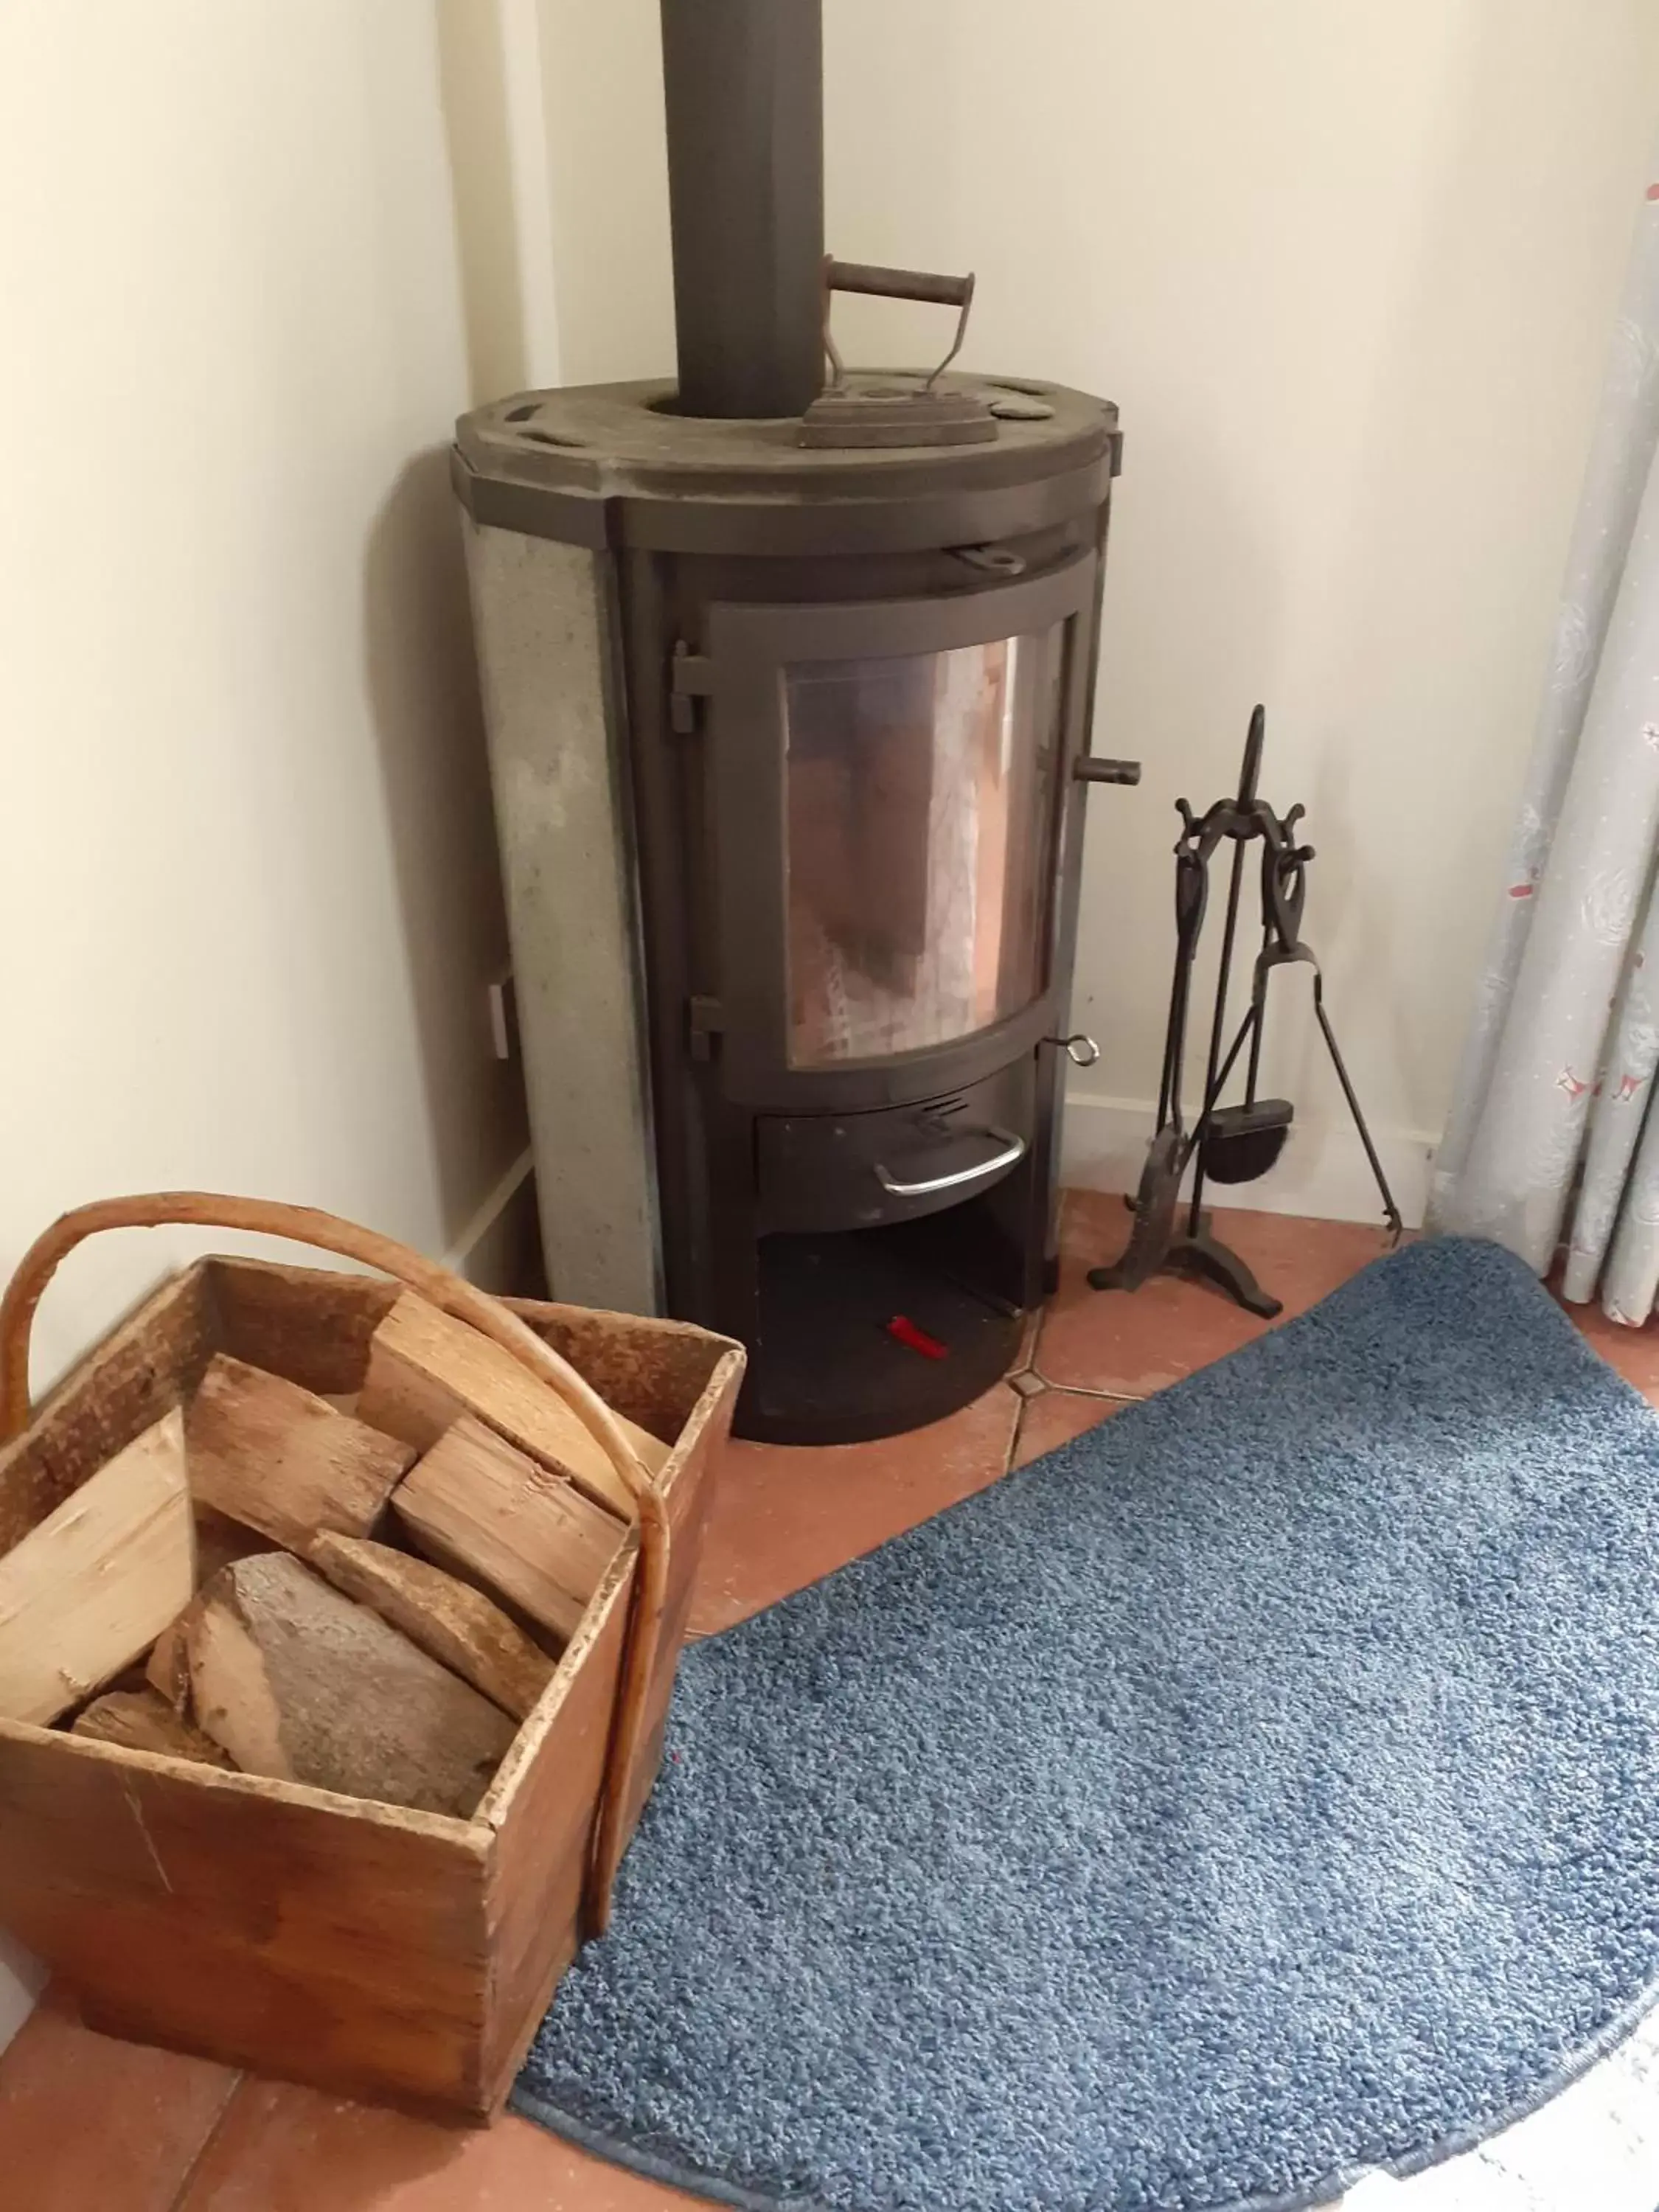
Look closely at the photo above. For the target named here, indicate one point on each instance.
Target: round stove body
(785, 739)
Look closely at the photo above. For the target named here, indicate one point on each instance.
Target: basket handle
(466, 1302)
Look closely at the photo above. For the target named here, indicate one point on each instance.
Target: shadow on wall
(429, 725)
(477, 133)
(1170, 694)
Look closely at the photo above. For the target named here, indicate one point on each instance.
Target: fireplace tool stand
(1238, 1143)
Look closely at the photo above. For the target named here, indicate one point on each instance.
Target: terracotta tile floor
(88, 2123)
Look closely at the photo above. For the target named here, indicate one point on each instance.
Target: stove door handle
(1013, 1149)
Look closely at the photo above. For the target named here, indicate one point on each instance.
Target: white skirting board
(482, 1252)
(1321, 1171)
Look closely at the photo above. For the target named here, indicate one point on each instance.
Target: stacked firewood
(368, 1595)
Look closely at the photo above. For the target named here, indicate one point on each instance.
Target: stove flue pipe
(744, 85)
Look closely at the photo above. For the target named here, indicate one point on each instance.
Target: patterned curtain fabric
(1553, 1124)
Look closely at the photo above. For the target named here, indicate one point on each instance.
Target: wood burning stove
(788, 695)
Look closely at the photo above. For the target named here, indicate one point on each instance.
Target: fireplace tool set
(1236, 1143)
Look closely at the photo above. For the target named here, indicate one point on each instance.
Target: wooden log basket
(453, 2038)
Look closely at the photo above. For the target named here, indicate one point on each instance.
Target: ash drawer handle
(1014, 1148)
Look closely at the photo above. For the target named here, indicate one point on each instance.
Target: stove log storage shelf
(788, 724)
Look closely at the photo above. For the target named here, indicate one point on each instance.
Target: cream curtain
(1552, 1127)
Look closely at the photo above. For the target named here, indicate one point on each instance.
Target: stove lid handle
(893, 284)
(1013, 1149)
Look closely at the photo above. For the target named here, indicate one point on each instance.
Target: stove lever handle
(1092, 769)
(893, 284)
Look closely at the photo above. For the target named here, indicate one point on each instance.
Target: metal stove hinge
(690, 678)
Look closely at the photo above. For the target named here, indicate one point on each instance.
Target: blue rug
(1263, 1787)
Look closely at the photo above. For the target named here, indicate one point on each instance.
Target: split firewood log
(426, 1370)
(280, 1459)
(450, 1620)
(168, 1668)
(88, 1590)
(218, 1541)
(487, 1512)
(144, 1720)
(296, 1681)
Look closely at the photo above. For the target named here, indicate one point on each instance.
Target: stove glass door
(890, 798)
(919, 804)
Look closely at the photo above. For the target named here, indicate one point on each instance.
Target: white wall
(1349, 272)
(249, 903)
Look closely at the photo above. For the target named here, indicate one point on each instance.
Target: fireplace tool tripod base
(1238, 1143)
(1189, 1251)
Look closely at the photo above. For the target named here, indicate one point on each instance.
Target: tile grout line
(187, 2179)
(1087, 1390)
(1023, 1404)
(1010, 1382)
(1033, 1365)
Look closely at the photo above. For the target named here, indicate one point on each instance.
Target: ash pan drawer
(824, 1171)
